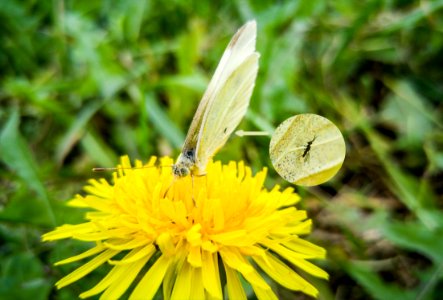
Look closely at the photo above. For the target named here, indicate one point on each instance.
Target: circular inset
(307, 149)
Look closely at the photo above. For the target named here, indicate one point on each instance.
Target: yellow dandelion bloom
(196, 237)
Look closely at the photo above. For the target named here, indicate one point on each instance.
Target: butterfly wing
(230, 95)
(241, 46)
(227, 110)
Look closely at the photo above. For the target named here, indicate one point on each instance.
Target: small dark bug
(308, 147)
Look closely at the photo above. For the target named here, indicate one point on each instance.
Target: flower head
(185, 233)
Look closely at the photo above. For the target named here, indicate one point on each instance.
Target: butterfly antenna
(125, 168)
(104, 169)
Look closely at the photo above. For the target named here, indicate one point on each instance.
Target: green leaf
(415, 236)
(15, 153)
(23, 207)
(76, 130)
(412, 17)
(133, 16)
(403, 184)
(98, 149)
(163, 123)
(17, 156)
(412, 107)
(375, 286)
(23, 277)
(188, 51)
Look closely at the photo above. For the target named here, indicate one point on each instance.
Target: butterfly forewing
(227, 110)
(239, 48)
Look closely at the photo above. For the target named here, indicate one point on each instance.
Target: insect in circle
(307, 149)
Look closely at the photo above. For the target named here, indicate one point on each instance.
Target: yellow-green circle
(307, 149)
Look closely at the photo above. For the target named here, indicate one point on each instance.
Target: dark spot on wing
(224, 130)
(234, 39)
(189, 153)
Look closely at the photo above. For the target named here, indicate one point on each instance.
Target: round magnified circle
(307, 149)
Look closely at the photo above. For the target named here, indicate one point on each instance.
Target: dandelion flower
(196, 237)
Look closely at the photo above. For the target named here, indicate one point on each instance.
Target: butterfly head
(184, 165)
(180, 170)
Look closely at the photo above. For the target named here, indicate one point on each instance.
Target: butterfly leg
(192, 190)
(169, 187)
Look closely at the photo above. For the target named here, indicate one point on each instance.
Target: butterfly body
(223, 105)
(185, 165)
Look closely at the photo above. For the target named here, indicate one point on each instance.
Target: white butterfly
(223, 105)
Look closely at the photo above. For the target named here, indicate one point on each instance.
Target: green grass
(83, 82)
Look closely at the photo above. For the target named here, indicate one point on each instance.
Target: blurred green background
(83, 82)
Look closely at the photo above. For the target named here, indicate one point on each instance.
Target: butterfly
(223, 104)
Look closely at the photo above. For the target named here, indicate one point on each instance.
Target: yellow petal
(166, 244)
(168, 283)
(149, 284)
(209, 246)
(219, 217)
(231, 257)
(234, 238)
(135, 255)
(66, 231)
(118, 279)
(301, 228)
(297, 260)
(233, 284)
(194, 235)
(183, 283)
(211, 275)
(307, 248)
(170, 276)
(97, 249)
(78, 201)
(289, 198)
(284, 275)
(125, 161)
(100, 189)
(253, 251)
(119, 286)
(264, 294)
(126, 244)
(197, 290)
(235, 260)
(105, 234)
(86, 268)
(194, 256)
